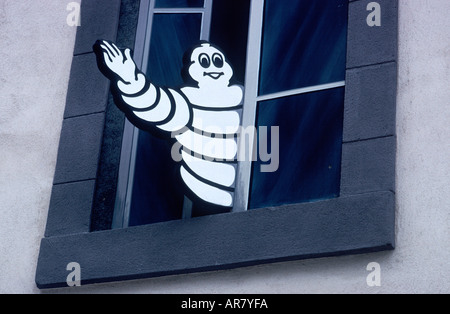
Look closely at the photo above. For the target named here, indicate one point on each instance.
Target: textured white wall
(34, 66)
(35, 57)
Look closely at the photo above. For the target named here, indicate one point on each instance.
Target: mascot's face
(209, 67)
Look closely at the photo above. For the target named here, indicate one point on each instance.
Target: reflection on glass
(304, 44)
(179, 3)
(172, 35)
(310, 132)
(229, 31)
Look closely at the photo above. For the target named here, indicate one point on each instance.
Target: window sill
(346, 225)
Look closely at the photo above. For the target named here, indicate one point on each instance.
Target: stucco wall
(35, 58)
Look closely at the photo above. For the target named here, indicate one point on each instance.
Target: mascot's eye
(204, 60)
(217, 60)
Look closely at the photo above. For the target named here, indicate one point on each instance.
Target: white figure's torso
(210, 145)
(206, 120)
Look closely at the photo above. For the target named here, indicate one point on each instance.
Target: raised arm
(118, 66)
(146, 105)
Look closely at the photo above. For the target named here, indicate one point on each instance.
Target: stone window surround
(360, 220)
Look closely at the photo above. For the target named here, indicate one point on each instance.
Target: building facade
(35, 71)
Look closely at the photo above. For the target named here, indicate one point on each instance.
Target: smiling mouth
(213, 75)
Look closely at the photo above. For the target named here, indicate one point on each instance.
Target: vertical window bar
(206, 22)
(246, 146)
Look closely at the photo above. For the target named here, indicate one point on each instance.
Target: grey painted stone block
(79, 149)
(70, 208)
(88, 88)
(356, 224)
(370, 45)
(99, 20)
(370, 102)
(368, 166)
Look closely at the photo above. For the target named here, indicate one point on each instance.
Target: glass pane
(157, 191)
(229, 31)
(304, 44)
(310, 145)
(179, 4)
(172, 35)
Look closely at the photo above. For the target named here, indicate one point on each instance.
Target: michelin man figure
(204, 117)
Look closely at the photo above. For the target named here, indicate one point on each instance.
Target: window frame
(360, 220)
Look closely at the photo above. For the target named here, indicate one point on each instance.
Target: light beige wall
(35, 60)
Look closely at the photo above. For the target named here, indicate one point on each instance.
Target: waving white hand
(120, 63)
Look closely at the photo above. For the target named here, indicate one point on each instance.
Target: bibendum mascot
(204, 116)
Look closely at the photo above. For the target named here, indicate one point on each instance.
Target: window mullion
(206, 20)
(250, 103)
(178, 11)
(303, 90)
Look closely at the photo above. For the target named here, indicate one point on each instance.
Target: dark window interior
(229, 31)
(304, 44)
(310, 130)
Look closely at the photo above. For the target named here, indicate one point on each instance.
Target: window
(353, 214)
(296, 85)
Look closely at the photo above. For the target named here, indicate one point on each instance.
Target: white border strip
(299, 91)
